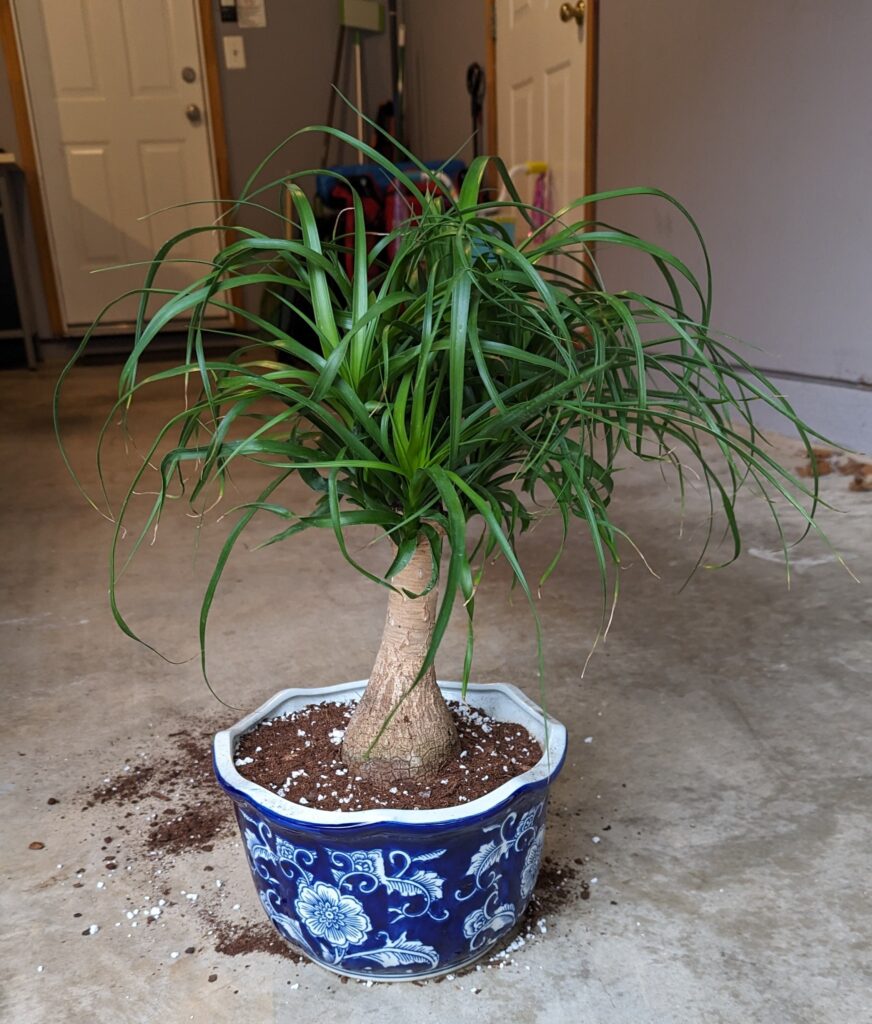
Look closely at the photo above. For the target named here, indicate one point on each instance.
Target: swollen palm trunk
(402, 728)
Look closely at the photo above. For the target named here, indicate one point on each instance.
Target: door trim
(27, 161)
(591, 102)
(591, 90)
(217, 124)
(490, 78)
(27, 146)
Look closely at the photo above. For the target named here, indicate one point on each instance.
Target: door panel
(108, 104)
(165, 177)
(68, 34)
(148, 47)
(563, 131)
(93, 216)
(521, 119)
(519, 9)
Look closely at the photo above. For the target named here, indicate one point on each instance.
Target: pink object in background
(542, 202)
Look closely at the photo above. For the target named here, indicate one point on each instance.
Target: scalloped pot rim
(500, 700)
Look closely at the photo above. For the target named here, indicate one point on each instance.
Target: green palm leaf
(461, 379)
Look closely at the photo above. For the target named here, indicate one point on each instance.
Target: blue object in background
(325, 183)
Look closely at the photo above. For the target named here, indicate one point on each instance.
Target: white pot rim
(500, 700)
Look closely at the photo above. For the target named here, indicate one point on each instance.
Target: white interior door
(541, 102)
(118, 107)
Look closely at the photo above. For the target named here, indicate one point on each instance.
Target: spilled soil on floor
(195, 814)
(162, 813)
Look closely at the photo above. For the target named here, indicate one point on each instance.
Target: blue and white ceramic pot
(396, 894)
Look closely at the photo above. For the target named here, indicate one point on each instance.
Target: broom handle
(358, 91)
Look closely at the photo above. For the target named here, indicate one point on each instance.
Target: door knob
(570, 11)
(193, 113)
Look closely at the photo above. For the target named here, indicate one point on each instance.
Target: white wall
(758, 115)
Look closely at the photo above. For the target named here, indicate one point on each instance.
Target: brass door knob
(570, 11)
(193, 113)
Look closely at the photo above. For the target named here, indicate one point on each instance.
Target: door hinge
(493, 20)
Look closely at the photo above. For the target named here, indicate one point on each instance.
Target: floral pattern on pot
(395, 912)
(494, 917)
(328, 914)
(532, 861)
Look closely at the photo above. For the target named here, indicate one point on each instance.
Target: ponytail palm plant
(460, 387)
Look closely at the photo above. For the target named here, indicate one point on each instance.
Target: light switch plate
(234, 53)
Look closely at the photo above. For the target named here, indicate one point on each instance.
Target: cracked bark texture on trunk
(421, 734)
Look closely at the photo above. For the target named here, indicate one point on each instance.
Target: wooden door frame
(591, 89)
(26, 154)
(215, 99)
(26, 157)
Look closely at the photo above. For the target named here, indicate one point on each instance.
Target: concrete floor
(730, 742)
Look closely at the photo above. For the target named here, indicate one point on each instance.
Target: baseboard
(840, 412)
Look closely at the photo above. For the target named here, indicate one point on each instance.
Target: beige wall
(284, 87)
(286, 84)
(757, 116)
(444, 38)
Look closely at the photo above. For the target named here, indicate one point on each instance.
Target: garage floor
(720, 753)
